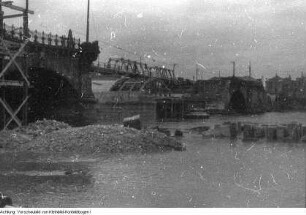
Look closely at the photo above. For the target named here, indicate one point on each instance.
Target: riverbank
(54, 137)
(213, 172)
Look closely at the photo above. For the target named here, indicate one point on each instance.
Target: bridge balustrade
(17, 33)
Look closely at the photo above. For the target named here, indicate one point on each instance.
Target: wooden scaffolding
(10, 50)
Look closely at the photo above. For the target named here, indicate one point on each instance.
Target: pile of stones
(53, 136)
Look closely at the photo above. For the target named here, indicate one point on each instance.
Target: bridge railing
(17, 33)
(134, 67)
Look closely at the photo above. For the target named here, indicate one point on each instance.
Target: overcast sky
(211, 33)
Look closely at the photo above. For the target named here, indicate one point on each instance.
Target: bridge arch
(237, 102)
(51, 95)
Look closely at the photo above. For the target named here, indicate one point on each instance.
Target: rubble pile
(102, 138)
(11, 139)
(41, 127)
(52, 136)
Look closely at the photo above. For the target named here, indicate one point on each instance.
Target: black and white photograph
(152, 104)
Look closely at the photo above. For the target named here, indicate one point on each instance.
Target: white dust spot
(140, 15)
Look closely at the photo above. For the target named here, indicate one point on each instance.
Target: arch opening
(237, 102)
(51, 96)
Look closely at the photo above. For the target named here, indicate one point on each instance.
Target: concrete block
(303, 130)
(225, 131)
(287, 131)
(296, 134)
(271, 134)
(265, 130)
(164, 130)
(250, 130)
(292, 125)
(219, 132)
(300, 130)
(239, 127)
(178, 133)
(280, 132)
(233, 130)
(259, 132)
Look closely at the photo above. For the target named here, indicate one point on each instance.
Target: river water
(210, 173)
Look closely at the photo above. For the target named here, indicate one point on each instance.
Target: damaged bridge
(232, 94)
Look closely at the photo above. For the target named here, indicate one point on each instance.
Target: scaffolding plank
(12, 44)
(14, 7)
(13, 16)
(11, 83)
(4, 52)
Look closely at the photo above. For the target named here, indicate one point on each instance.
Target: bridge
(40, 72)
(232, 94)
(141, 72)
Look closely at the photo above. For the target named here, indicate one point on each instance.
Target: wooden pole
(26, 20)
(3, 113)
(1, 20)
(234, 68)
(250, 69)
(197, 71)
(87, 26)
(26, 93)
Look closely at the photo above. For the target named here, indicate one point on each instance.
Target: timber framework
(10, 51)
(23, 51)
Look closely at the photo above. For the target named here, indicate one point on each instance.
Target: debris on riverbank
(52, 136)
(41, 127)
(291, 132)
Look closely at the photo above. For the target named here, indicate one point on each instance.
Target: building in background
(286, 93)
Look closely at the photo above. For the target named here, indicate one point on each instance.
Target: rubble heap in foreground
(52, 136)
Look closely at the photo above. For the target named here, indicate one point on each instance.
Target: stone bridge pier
(232, 94)
(246, 95)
